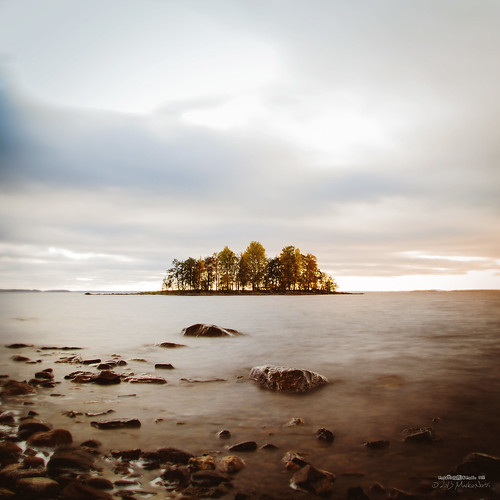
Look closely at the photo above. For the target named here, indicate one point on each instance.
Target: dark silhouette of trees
(226, 271)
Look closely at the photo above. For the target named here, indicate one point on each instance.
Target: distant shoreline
(225, 293)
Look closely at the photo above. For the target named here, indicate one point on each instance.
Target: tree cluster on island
(251, 270)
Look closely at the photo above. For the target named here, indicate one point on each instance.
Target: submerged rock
(204, 330)
(480, 464)
(418, 435)
(170, 345)
(164, 366)
(117, 424)
(50, 439)
(279, 378)
(16, 388)
(316, 481)
(37, 487)
(245, 446)
(231, 464)
(69, 459)
(325, 435)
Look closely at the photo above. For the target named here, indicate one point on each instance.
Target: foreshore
(91, 451)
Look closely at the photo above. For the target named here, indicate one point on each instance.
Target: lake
(394, 360)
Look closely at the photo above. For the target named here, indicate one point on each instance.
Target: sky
(133, 132)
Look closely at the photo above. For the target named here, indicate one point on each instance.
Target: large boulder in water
(204, 330)
(280, 378)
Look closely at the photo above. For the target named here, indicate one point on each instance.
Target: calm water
(394, 360)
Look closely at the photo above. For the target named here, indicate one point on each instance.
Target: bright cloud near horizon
(133, 132)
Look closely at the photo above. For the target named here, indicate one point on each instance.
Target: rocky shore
(40, 460)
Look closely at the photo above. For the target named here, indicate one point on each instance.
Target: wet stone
(164, 366)
(176, 476)
(480, 464)
(30, 426)
(174, 455)
(146, 379)
(168, 345)
(245, 446)
(106, 377)
(126, 455)
(205, 330)
(325, 435)
(68, 459)
(418, 435)
(231, 464)
(37, 487)
(18, 346)
(208, 478)
(76, 490)
(99, 483)
(19, 358)
(91, 361)
(16, 388)
(9, 450)
(224, 434)
(205, 462)
(279, 378)
(117, 424)
(53, 438)
(316, 481)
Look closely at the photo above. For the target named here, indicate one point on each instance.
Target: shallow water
(394, 360)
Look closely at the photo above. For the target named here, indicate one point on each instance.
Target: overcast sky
(133, 132)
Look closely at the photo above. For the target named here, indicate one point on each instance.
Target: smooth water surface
(394, 360)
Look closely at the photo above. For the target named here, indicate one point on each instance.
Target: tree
(309, 275)
(291, 263)
(256, 260)
(226, 261)
(243, 274)
(273, 274)
(210, 276)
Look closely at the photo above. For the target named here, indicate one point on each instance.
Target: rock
(30, 426)
(9, 450)
(12, 473)
(69, 459)
(294, 422)
(106, 377)
(268, 446)
(316, 481)
(20, 359)
(117, 424)
(45, 375)
(418, 435)
(81, 377)
(294, 460)
(164, 366)
(98, 413)
(357, 493)
(224, 434)
(377, 445)
(127, 455)
(91, 361)
(231, 464)
(325, 435)
(204, 330)
(33, 462)
(174, 455)
(178, 476)
(99, 483)
(245, 446)
(146, 379)
(7, 418)
(480, 464)
(91, 443)
(202, 381)
(65, 348)
(50, 439)
(6, 494)
(18, 346)
(168, 345)
(38, 487)
(16, 388)
(205, 462)
(207, 478)
(76, 490)
(279, 378)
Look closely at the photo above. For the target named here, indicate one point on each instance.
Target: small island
(249, 272)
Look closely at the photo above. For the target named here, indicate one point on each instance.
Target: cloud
(369, 138)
